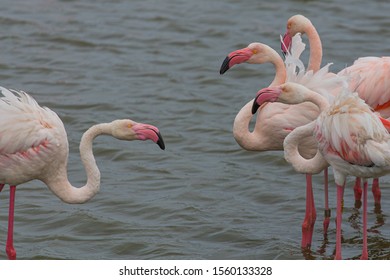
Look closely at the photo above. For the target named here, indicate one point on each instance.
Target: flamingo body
(350, 137)
(33, 145)
(276, 120)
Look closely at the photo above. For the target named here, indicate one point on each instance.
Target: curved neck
(292, 155)
(245, 138)
(315, 48)
(248, 140)
(280, 68)
(59, 184)
(317, 99)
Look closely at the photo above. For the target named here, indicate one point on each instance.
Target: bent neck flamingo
(350, 136)
(34, 145)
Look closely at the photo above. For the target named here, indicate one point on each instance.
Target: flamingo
(34, 145)
(367, 76)
(351, 138)
(275, 121)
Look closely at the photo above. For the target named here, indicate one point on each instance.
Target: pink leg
(10, 238)
(358, 193)
(340, 194)
(376, 191)
(365, 247)
(327, 210)
(310, 216)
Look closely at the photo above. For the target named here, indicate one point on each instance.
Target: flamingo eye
(255, 51)
(129, 125)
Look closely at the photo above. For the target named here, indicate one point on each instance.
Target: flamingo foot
(376, 191)
(364, 256)
(11, 252)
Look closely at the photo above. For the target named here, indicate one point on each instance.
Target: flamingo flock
(344, 131)
(318, 118)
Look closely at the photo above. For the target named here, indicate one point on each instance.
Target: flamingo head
(295, 24)
(253, 53)
(288, 93)
(131, 130)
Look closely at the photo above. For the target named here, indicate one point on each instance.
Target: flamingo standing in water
(34, 145)
(367, 76)
(275, 120)
(350, 136)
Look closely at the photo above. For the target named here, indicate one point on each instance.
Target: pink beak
(236, 57)
(149, 132)
(286, 44)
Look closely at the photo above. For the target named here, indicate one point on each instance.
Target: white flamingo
(275, 120)
(350, 136)
(34, 145)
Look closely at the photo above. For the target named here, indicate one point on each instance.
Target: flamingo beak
(149, 132)
(270, 94)
(286, 43)
(236, 57)
(160, 141)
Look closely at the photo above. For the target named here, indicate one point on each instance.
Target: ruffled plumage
(322, 81)
(351, 135)
(23, 123)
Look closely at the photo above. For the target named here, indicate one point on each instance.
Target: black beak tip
(255, 107)
(224, 66)
(160, 142)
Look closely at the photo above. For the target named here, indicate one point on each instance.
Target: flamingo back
(350, 131)
(29, 135)
(369, 76)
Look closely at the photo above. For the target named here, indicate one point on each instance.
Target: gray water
(158, 62)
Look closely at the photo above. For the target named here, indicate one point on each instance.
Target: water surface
(158, 62)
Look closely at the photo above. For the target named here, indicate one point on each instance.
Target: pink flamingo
(368, 77)
(34, 145)
(350, 136)
(275, 121)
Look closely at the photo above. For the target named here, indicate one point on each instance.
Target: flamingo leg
(365, 247)
(358, 193)
(10, 238)
(1, 187)
(310, 216)
(327, 210)
(376, 191)
(340, 195)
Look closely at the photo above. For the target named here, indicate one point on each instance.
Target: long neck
(248, 140)
(315, 48)
(317, 99)
(59, 183)
(244, 137)
(280, 68)
(292, 155)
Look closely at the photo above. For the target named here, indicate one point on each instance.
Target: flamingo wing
(24, 124)
(369, 77)
(350, 130)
